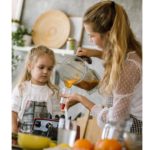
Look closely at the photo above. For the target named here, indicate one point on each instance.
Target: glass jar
(132, 141)
(115, 129)
(120, 131)
(74, 71)
(112, 130)
(71, 44)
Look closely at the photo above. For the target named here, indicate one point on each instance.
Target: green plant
(15, 60)
(17, 37)
(16, 21)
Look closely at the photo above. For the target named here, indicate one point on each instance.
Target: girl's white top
(30, 92)
(127, 96)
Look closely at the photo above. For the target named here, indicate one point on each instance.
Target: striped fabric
(136, 126)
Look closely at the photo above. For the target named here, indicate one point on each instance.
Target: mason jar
(71, 44)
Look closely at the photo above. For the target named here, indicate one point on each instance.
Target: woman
(107, 26)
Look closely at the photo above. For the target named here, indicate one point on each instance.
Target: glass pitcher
(75, 71)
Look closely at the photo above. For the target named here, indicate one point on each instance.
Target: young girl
(108, 27)
(32, 96)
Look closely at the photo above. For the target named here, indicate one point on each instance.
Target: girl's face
(94, 37)
(41, 70)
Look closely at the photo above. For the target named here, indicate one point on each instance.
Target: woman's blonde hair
(109, 17)
(31, 58)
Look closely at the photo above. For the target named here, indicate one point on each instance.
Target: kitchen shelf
(57, 51)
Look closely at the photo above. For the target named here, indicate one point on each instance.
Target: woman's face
(41, 70)
(94, 37)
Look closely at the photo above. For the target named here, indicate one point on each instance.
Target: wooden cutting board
(51, 29)
(82, 122)
(93, 131)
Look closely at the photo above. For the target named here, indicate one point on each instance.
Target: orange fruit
(108, 144)
(82, 144)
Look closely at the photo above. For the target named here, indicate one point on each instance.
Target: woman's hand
(89, 52)
(71, 99)
(75, 98)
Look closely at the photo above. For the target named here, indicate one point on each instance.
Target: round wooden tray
(51, 29)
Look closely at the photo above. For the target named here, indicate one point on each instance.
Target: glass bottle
(132, 141)
(71, 43)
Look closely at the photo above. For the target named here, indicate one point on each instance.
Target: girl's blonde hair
(109, 17)
(31, 58)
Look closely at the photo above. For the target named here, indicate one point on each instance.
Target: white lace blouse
(127, 97)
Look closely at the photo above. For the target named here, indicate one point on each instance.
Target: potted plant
(15, 25)
(21, 37)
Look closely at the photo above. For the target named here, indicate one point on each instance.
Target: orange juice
(69, 83)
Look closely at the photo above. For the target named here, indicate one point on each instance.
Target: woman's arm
(129, 78)
(76, 98)
(89, 52)
(122, 95)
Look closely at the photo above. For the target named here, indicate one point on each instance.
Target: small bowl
(33, 142)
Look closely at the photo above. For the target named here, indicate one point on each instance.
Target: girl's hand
(14, 138)
(14, 142)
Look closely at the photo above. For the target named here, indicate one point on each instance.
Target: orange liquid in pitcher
(87, 85)
(69, 83)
